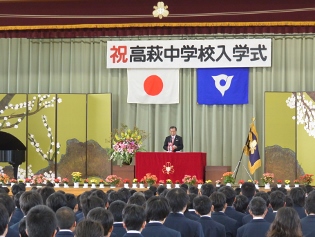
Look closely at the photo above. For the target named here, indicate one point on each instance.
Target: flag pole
(240, 160)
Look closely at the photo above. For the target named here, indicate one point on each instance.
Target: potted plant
(101, 183)
(228, 178)
(126, 142)
(199, 183)
(57, 181)
(279, 183)
(161, 182)
(177, 184)
(306, 179)
(150, 179)
(86, 183)
(296, 183)
(113, 180)
(256, 184)
(287, 183)
(218, 183)
(169, 183)
(13, 181)
(93, 183)
(76, 177)
(65, 182)
(142, 181)
(28, 182)
(38, 180)
(126, 183)
(4, 178)
(241, 182)
(267, 179)
(134, 183)
(190, 180)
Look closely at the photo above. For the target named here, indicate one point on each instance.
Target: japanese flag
(153, 86)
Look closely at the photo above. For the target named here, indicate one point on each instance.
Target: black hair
(171, 127)
(310, 203)
(257, 206)
(298, 196)
(157, 208)
(126, 194)
(178, 199)
(277, 200)
(7, 202)
(148, 194)
(218, 201)
(30, 199)
(45, 192)
(240, 204)
(71, 200)
(90, 203)
(65, 217)
(56, 200)
(116, 209)
(16, 199)
(229, 194)
(160, 189)
(22, 227)
(264, 196)
(248, 189)
(288, 201)
(133, 217)
(202, 205)
(184, 186)
(4, 219)
(41, 221)
(154, 189)
(89, 228)
(207, 189)
(191, 199)
(101, 194)
(193, 190)
(114, 196)
(137, 199)
(17, 188)
(103, 216)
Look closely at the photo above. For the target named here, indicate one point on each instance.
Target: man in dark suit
(230, 211)
(202, 205)
(65, 221)
(133, 220)
(190, 211)
(176, 220)
(298, 197)
(257, 227)
(103, 216)
(116, 209)
(173, 142)
(218, 207)
(157, 209)
(308, 223)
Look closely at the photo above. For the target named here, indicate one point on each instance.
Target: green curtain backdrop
(79, 66)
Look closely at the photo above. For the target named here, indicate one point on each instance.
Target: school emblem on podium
(168, 168)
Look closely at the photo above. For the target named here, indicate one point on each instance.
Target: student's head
(114, 196)
(72, 201)
(286, 223)
(133, 217)
(16, 199)
(116, 209)
(308, 189)
(298, 196)
(160, 189)
(310, 203)
(193, 190)
(126, 194)
(137, 199)
(157, 208)
(153, 189)
(56, 200)
(184, 186)
(4, 220)
(257, 206)
(178, 199)
(90, 203)
(17, 188)
(100, 193)
(191, 199)
(218, 201)
(202, 205)
(148, 194)
(7, 202)
(22, 227)
(89, 228)
(65, 218)
(241, 203)
(264, 196)
(45, 192)
(277, 200)
(229, 194)
(288, 201)
(248, 189)
(103, 216)
(30, 199)
(41, 222)
(207, 189)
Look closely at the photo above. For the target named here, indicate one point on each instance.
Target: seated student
(248, 189)
(65, 222)
(126, 194)
(202, 205)
(240, 203)
(138, 200)
(103, 216)
(22, 228)
(116, 209)
(102, 195)
(207, 189)
(90, 203)
(176, 220)
(190, 211)
(72, 202)
(257, 227)
(4, 220)
(89, 228)
(298, 197)
(160, 189)
(193, 190)
(17, 214)
(218, 207)
(45, 192)
(41, 222)
(114, 196)
(308, 222)
(133, 220)
(230, 195)
(148, 194)
(157, 209)
(277, 200)
(56, 200)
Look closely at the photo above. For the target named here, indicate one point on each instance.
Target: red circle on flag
(153, 85)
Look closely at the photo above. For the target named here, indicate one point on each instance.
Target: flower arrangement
(93, 181)
(4, 178)
(279, 181)
(241, 181)
(256, 182)
(135, 181)
(113, 179)
(65, 180)
(13, 181)
(150, 179)
(268, 178)
(20, 181)
(57, 181)
(218, 181)
(161, 182)
(228, 178)
(142, 181)
(169, 181)
(306, 179)
(86, 181)
(101, 181)
(38, 179)
(126, 181)
(126, 143)
(177, 181)
(208, 181)
(296, 181)
(287, 182)
(199, 181)
(27, 180)
(190, 180)
(76, 176)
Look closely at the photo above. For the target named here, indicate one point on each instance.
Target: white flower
(37, 144)
(49, 135)
(37, 149)
(58, 145)
(51, 151)
(52, 143)
(50, 171)
(1, 111)
(19, 120)
(45, 156)
(59, 100)
(16, 126)
(31, 135)
(5, 118)
(8, 124)
(6, 107)
(49, 129)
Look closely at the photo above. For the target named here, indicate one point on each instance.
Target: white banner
(189, 53)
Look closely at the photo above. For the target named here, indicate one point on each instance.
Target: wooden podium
(215, 172)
